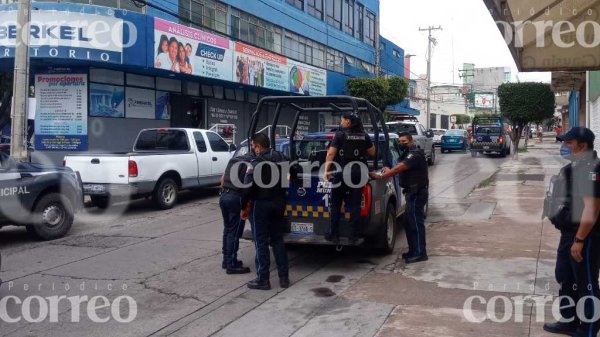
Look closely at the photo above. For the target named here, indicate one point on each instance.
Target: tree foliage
(524, 103)
(380, 91)
(463, 119)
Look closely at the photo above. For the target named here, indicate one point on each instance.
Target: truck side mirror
(232, 147)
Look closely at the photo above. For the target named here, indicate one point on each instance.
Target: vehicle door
(395, 159)
(203, 157)
(220, 153)
(11, 190)
(421, 138)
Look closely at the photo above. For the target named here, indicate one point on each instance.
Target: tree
(524, 103)
(380, 91)
(462, 119)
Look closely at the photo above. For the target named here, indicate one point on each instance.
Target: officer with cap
(264, 206)
(349, 149)
(578, 254)
(414, 180)
(231, 206)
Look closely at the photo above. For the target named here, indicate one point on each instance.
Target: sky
(469, 35)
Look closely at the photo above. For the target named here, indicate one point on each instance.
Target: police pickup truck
(42, 198)
(489, 136)
(308, 196)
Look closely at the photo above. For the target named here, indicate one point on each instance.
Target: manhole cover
(94, 241)
(518, 177)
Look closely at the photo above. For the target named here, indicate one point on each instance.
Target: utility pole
(431, 42)
(18, 138)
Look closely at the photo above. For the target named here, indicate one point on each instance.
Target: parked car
(489, 136)
(437, 136)
(163, 162)
(43, 198)
(423, 138)
(455, 139)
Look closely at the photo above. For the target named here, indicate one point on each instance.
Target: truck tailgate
(100, 169)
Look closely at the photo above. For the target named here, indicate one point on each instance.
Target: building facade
(110, 68)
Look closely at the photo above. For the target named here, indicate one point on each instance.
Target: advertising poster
(107, 100)
(69, 35)
(140, 103)
(260, 68)
(307, 80)
(191, 51)
(163, 105)
(61, 112)
(484, 101)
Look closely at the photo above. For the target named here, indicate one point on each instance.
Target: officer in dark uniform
(578, 255)
(264, 206)
(414, 180)
(349, 148)
(231, 206)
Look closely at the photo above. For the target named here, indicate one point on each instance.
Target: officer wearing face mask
(573, 204)
(414, 180)
(349, 149)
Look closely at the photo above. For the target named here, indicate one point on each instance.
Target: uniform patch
(595, 177)
(410, 156)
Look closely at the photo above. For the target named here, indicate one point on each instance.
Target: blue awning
(403, 110)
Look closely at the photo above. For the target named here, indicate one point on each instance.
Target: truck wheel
(386, 240)
(431, 160)
(52, 217)
(165, 194)
(100, 202)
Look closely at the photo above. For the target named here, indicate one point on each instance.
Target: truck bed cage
(488, 120)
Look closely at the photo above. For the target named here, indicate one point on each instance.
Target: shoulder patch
(594, 176)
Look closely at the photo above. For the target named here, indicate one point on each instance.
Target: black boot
(561, 328)
(284, 282)
(259, 284)
(238, 270)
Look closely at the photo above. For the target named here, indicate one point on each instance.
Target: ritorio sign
(70, 35)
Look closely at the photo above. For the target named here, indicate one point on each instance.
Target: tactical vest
(267, 175)
(417, 177)
(228, 182)
(354, 147)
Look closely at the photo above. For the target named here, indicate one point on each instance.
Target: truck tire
(52, 217)
(431, 159)
(386, 239)
(101, 202)
(165, 194)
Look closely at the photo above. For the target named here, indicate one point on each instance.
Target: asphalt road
(169, 264)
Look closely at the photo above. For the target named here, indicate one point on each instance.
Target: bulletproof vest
(354, 147)
(240, 172)
(558, 201)
(267, 175)
(418, 176)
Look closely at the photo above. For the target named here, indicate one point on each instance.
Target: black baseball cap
(578, 133)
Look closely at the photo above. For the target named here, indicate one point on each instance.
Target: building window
(348, 16)
(334, 13)
(296, 3)
(204, 13)
(369, 32)
(396, 53)
(250, 29)
(315, 8)
(335, 60)
(360, 21)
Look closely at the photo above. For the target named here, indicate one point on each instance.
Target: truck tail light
(501, 139)
(133, 169)
(366, 201)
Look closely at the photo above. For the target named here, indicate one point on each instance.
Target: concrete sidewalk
(492, 243)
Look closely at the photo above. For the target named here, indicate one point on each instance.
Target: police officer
(349, 148)
(578, 255)
(231, 206)
(264, 205)
(414, 180)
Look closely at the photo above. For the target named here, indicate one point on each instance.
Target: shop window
(168, 84)
(229, 94)
(107, 76)
(239, 95)
(207, 91)
(140, 81)
(192, 88)
(218, 91)
(252, 97)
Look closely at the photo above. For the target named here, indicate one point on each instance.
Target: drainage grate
(519, 177)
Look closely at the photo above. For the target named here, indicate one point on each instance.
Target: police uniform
(352, 147)
(267, 216)
(231, 205)
(579, 280)
(415, 185)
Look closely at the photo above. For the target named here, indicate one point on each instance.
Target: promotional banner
(260, 68)
(140, 103)
(307, 80)
(107, 100)
(69, 35)
(191, 51)
(163, 105)
(484, 101)
(61, 112)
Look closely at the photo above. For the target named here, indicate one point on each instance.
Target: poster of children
(186, 50)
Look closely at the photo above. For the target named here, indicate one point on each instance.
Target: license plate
(486, 147)
(94, 188)
(302, 227)
(453, 140)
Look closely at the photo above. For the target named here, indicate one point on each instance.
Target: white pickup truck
(163, 162)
